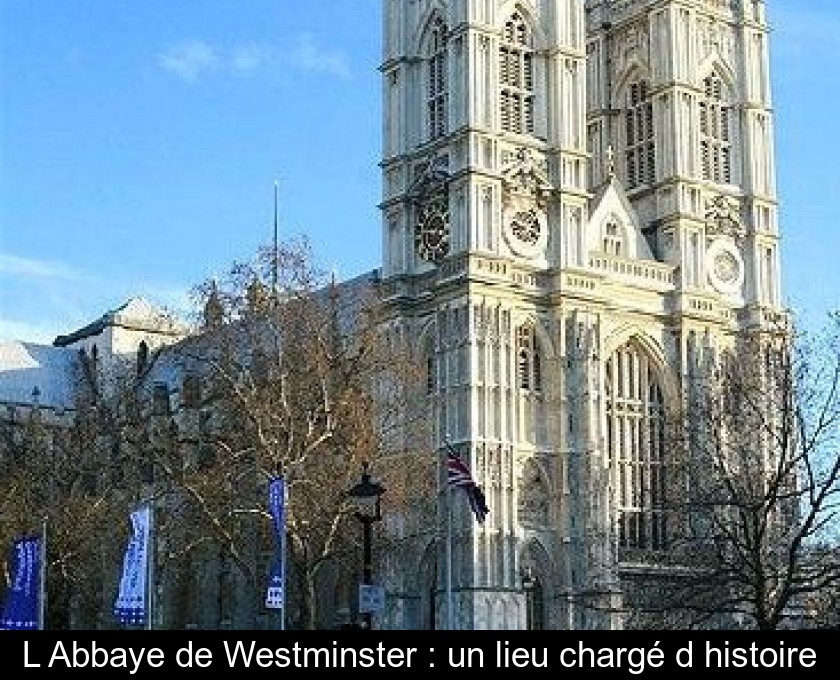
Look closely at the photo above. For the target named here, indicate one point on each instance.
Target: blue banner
(23, 598)
(131, 607)
(275, 595)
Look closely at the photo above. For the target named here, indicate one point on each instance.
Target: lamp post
(367, 496)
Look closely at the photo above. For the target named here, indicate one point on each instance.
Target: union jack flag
(459, 476)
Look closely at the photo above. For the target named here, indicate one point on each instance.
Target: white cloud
(249, 58)
(189, 60)
(193, 59)
(309, 56)
(24, 267)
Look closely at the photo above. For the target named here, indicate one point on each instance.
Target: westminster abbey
(578, 210)
(579, 204)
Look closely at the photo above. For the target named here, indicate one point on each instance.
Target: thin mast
(276, 245)
(151, 554)
(450, 608)
(283, 552)
(42, 579)
(450, 624)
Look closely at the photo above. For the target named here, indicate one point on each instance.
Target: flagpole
(42, 578)
(440, 471)
(275, 594)
(450, 623)
(283, 552)
(150, 569)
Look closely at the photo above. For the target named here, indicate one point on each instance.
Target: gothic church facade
(579, 204)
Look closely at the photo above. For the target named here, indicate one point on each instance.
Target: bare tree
(758, 464)
(51, 478)
(300, 378)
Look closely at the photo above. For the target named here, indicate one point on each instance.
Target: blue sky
(140, 142)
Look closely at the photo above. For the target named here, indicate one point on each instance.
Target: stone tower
(578, 202)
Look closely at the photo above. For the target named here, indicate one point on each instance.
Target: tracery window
(640, 138)
(516, 77)
(715, 132)
(636, 449)
(528, 360)
(437, 89)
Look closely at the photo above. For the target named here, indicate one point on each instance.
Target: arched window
(227, 593)
(640, 138)
(528, 360)
(437, 90)
(636, 449)
(516, 77)
(431, 367)
(160, 400)
(613, 239)
(715, 131)
(191, 391)
(94, 365)
(142, 357)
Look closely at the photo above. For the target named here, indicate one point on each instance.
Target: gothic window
(437, 81)
(260, 367)
(160, 400)
(190, 392)
(92, 368)
(613, 240)
(715, 132)
(142, 357)
(431, 368)
(528, 360)
(636, 449)
(639, 135)
(227, 593)
(189, 590)
(516, 77)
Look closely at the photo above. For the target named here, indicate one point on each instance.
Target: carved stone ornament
(534, 501)
(525, 178)
(526, 190)
(723, 217)
(431, 179)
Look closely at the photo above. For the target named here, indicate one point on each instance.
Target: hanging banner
(131, 605)
(23, 598)
(275, 594)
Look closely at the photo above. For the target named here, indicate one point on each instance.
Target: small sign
(274, 597)
(371, 599)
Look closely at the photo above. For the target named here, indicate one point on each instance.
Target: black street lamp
(367, 496)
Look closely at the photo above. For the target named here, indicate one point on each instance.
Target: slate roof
(27, 369)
